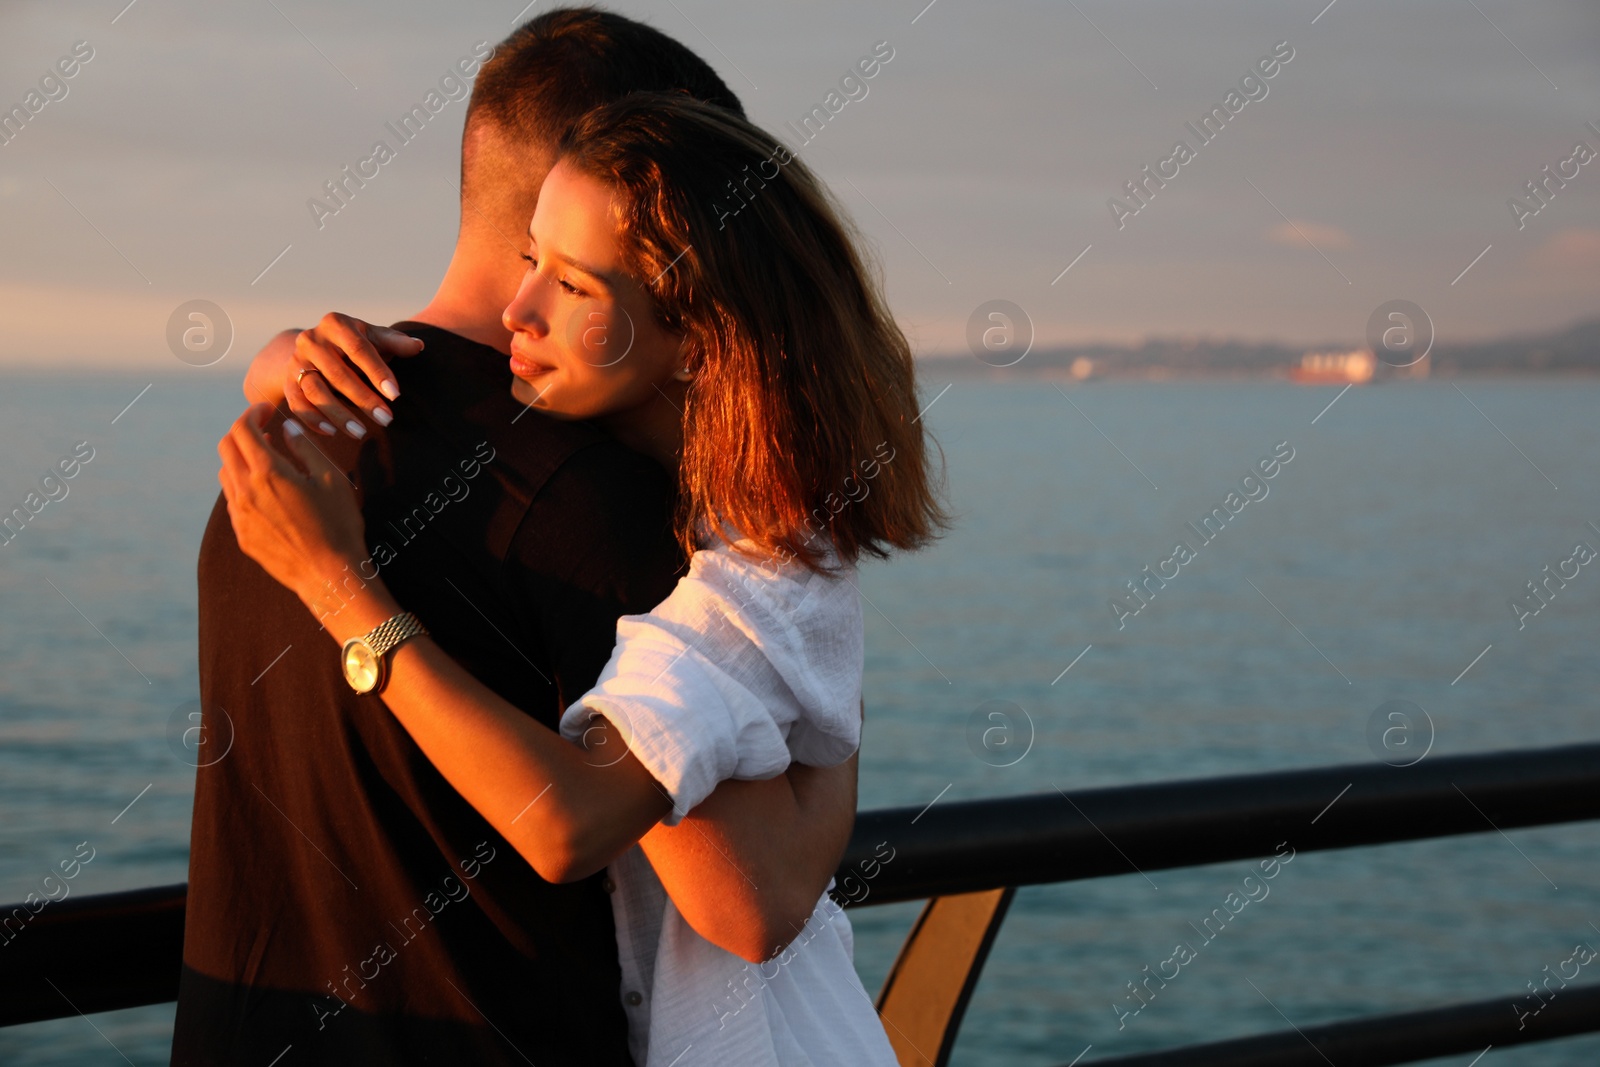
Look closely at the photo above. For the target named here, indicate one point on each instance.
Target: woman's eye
(569, 287)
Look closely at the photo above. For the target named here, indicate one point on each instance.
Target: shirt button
(634, 999)
(610, 886)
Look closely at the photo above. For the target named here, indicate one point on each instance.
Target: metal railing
(122, 950)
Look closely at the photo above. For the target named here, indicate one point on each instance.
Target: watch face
(360, 666)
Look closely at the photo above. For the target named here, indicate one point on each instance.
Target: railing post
(927, 989)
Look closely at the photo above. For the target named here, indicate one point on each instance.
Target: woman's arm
(748, 865)
(567, 812)
(263, 381)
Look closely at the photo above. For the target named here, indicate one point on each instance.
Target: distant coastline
(1571, 352)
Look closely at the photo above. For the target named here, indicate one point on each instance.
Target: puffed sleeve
(742, 668)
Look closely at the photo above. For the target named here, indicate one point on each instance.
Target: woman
(692, 289)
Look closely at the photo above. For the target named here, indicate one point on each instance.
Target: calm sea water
(1382, 560)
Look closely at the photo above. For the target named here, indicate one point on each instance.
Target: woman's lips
(524, 368)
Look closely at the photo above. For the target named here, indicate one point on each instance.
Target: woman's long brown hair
(801, 426)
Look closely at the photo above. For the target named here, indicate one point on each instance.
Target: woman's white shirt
(746, 666)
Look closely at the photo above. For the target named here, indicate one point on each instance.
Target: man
(346, 905)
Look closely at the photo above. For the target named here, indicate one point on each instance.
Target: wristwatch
(362, 658)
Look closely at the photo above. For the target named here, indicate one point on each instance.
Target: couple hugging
(542, 689)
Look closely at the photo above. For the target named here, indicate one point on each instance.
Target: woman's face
(585, 342)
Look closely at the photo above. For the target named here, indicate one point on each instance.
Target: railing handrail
(104, 952)
(966, 846)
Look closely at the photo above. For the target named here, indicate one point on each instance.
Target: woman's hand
(312, 370)
(304, 529)
(330, 353)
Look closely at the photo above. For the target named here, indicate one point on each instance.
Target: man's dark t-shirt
(346, 905)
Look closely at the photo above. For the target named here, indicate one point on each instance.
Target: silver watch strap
(389, 633)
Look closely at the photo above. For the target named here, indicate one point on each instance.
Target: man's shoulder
(607, 489)
(605, 474)
(604, 522)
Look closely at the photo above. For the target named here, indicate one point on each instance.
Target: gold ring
(303, 372)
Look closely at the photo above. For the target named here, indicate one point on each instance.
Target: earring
(683, 374)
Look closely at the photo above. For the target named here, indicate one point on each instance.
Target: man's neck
(477, 286)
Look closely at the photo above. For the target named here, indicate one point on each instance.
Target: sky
(177, 163)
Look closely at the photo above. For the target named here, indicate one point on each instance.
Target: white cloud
(1575, 249)
(1296, 233)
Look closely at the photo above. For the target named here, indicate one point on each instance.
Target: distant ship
(1335, 368)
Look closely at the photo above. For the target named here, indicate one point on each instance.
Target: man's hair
(800, 423)
(557, 66)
